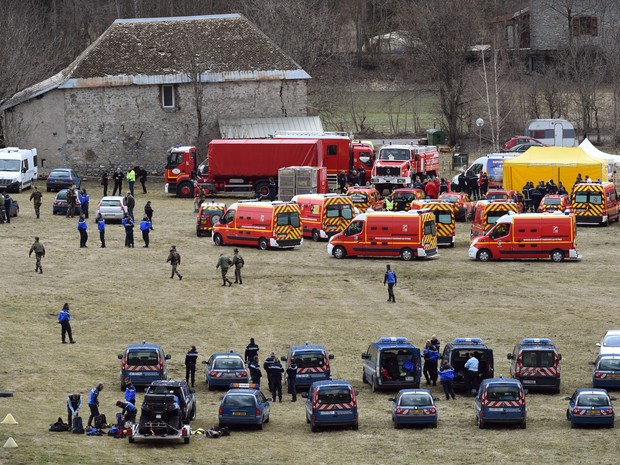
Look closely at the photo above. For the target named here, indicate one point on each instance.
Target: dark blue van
(143, 363)
(392, 363)
(312, 364)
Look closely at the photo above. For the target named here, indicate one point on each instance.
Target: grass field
(120, 296)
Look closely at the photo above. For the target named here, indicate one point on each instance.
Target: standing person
(273, 189)
(291, 376)
(484, 183)
(471, 374)
(104, 183)
(130, 203)
(431, 356)
(266, 364)
(128, 224)
(446, 378)
(536, 196)
(361, 176)
(37, 198)
(131, 180)
(435, 342)
(255, 372)
(64, 319)
(251, 350)
(2, 211)
(444, 186)
(148, 211)
(7, 206)
(431, 190)
(130, 391)
(224, 263)
(174, 258)
(199, 196)
(143, 175)
(462, 181)
(71, 195)
(82, 226)
(93, 402)
(74, 403)
(101, 227)
(342, 182)
(39, 253)
(129, 411)
(145, 227)
(118, 181)
(274, 372)
(84, 200)
(237, 260)
(390, 279)
(191, 357)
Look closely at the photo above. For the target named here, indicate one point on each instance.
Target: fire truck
(397, 163)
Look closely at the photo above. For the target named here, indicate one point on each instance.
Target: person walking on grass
(64, 319)
(39, 253)
(82, 226)
(174, 258)
(391, 280)
(145, 227)
(37, 198)
(148, 211)
(128, 225)
(224, 263)
(101, 227)
(237, 260)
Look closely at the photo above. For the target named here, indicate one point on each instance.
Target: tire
(263, 244)
(6, 393)
(131, 440)
(567, 415)
(49, 189)
(218, 240)
(480, 422)
(316, 237)
(307, 419)
(267, 419)
(557, 255)
(364, 381)
(451, 245)
(261, 189)
(355, 426)
(185, 190)
(314, 428)
(339, 252)
(484, 255)
(433, 425)
(406, 254)
(186, 440)
(211, 388)
(397, 425)
(259, 427)
(375, 385)
(572, 425)
(523, 424)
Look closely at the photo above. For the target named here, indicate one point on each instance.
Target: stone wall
(91, 129)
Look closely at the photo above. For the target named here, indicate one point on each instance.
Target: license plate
(416, 412)
(158, 416)
(513, 410)
(593, 412)
(613, 375)
(496, 409)
(529, 381)
(409, 378)
(331, 412)
(242, 414)
(228, 375)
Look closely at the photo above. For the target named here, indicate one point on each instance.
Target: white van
(18, 168)
(558, 132)
(492, 164)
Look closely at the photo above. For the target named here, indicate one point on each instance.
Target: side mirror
(168, 356)
(559, 356)
(221, 397)
(304, 395)
(613, 398)
(526, 392)
(592, 363)
(598, 344)
(365, 356)
(509, 356)
(391, 399)
(330, 356)
(204, 362)
(120, 356)
(566, 398)
(24, 170)
(283, 358)
(436, 399)
(357, 392)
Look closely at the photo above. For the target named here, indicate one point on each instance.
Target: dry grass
(120, 296)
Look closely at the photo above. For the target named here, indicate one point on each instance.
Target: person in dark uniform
(391, 280)
(224, 263)
(128, 225)
(64, 319)
(174, 258)
(148, 211)
(130, 391)
(472, 186)
(342, 182)
(361, 176)
(82, 226)
(431, 357)
(443, 186)
(129, 411)
(101, 228)
(238, 262)
(251, 350)
(93, 402)
(7, 206)
(255, 372)
(74, 403)
(191, 358)
(274, 372)
(104, 183)
(130, 203)
(145, 227)
(291, 375)
(435, 342)
(71, 196)
(536, 196)
(266, 364)
(84, 201)
(462, 182)
(143, 175)
(118, 181)
(37, 198)
(39, 253)
(273, 189)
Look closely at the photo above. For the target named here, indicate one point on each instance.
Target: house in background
(143, 86)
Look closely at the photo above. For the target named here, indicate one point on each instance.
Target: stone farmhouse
(148, 84)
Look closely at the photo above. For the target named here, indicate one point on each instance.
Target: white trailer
(557, 132)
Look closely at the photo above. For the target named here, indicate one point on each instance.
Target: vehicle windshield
(538, 358)
(450, 198)
(612, 341)
(359, 197)
(110, 203)
(595, 198)
(232, 363)
(288, 218)
(609, 364)
(142, 357)
(394, 154)
(62, 195)
(309, 359)
(495, 393)
(404, 197)
(415, 400)
(59, 174)
(429, 228)
(334, 396)
(174, 159)
(443, 217)
(554, 201)
(493, 216)
(592, 400)
(9, 165)
(497, 196)
(339, 211)
(239, 400)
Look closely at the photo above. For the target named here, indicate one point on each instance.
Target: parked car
(63, 178)
(501, 400)
(551, 203)
(414, 407)
(606, 371)
(517, 140)
(331, 403)
(60, 203)
(143, 363)
(590, 407)
(222, 369)
(610, 344)
(463, 206)
(185, 394)
(244, 404)
(112, 207)
(520, 148)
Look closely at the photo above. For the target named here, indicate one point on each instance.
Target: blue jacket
(430, 355)
(83, 198)
(390, 277)
(130, 394)
(101, 224)
(145, 225)
(93, 398)
(64, 316)
(82, 225)
(127, 222)
(129, 407)
(446, 375)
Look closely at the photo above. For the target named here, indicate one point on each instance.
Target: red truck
(237, 165)
(397, 163)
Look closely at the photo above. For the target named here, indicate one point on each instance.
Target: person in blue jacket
(84, 199)
(128, 225)
(93, 402)
(130, 391)
(390, 279)
(82, 226)
(101, 227)
(431, 356)
(64, 319)
(129, 411)
(145, 227)
(446, 378)
(291, 375)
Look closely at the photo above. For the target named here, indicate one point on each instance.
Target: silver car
(112, 207)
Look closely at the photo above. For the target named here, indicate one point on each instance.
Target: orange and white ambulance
(208, 215)
(364, 198)
(409, 235)
(267, 224)
(529, 235)
(444, 219)
(323, 215)
(487, 212)
(595, 203)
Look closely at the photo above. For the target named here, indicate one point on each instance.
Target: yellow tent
(557, 163)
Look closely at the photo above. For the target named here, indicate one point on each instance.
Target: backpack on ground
(78, 426)
(100, 422)
(59, 426)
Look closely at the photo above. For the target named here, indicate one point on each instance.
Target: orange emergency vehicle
(595, 203)
(208, 215)
(444, 219)
(529, 235)
(487, 212)
(555, 202)
(403, 197)
(387, 234)
(364, 198)
(505, 194)
(267, 224)
(323, 215)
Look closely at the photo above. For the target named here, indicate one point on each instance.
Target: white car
(610, 344)
(112, 207)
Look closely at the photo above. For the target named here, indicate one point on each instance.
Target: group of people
(73, 195)
(474, 185)
(356, 177)
(118, 176)
(533, 195)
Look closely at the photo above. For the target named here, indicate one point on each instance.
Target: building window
(167, 96)
(585, 26)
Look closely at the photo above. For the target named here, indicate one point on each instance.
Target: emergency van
(267, 224)
(501, 400)
(312, 364)
(323, 215)
(505, 194)
(529, 235)
(536, 363)
(409, 235)
(331, 403)
(364, 198)
(445, 221)
(143, 364)
(595, 203)
(403, 197)
(551, 203)
(487, 212)
(18, 168)
(392, 363)
(209, 214)
(456, 353)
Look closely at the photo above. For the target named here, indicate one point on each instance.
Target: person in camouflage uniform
(224, 263)
(39, 252)
(37, 198)
(174, 258)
